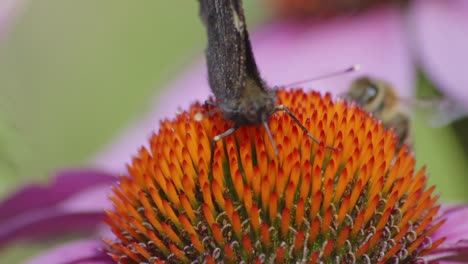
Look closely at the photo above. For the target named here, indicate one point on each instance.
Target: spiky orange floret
(362, 202)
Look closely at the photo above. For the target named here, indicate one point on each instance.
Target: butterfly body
(241, 94)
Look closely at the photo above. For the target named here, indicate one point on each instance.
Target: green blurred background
(73, 73)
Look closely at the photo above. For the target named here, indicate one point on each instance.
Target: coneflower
(360, 203)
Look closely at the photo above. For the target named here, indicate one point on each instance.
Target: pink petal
(455, 230)
(80, 252)
(441, 41)
(287, 52)
(65, 184)
(73, 203)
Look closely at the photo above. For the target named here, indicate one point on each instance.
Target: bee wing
(229, 54)
(439, 111)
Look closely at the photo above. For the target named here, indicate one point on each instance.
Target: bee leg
(301, 126)
(213, 104)
(218, 138)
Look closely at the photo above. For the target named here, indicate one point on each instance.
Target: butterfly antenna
(353, 68)
(270, 136)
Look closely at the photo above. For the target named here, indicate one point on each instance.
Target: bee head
(363, 91)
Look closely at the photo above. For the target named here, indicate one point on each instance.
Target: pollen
(361, 202)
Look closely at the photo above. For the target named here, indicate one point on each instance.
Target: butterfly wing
(229, 53)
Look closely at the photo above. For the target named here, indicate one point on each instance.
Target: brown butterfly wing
(229, 53)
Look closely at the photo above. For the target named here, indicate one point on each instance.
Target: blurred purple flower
(286, 51)
(8, 10)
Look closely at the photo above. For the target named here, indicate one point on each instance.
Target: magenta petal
(450, 253)
(455, 228)
(455, 232)
(65, 184)
(441, 41)
(73, 203)
(287, 52)
(80, 252)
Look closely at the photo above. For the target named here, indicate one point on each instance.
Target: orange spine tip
(158, 242)
(142, 251)
(300, 211)
(217, 234)
(172, 194)
(265, 235)
(315, 205)
(343, 236)
(415, 244)
(236, 224)
(153, 220)
(157, 200)
(248, 200)
(358, 223)
(343, 210)
(314, 230)
(255, 218)
(265, 194)
(210, 260)
(171, 234)
(281, 181)
(239, 185)
(229, 252)
(280, 255)
(186, 225)
(316, 179)
(304, 188)
(197, 244)
(208, 215)
(371, 208)
(273, 207)
(299, 243)
(134, 256)
(356, 192)
(434, 245)
(341, 185)
(289, 196)
(178, 253)
(207, 197)
(285, 222)
(247, 245)
(314, 257)
(327, 220)
(428, 219)
(328, 194)
(218, 194)
(171, 214)
(435, 227)
(187, 207)
(328, 248)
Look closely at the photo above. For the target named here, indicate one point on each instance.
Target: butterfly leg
(301, 126)
(213, 104)
(218, 138)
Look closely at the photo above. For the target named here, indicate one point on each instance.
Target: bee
(380, 98)
(241, 94)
